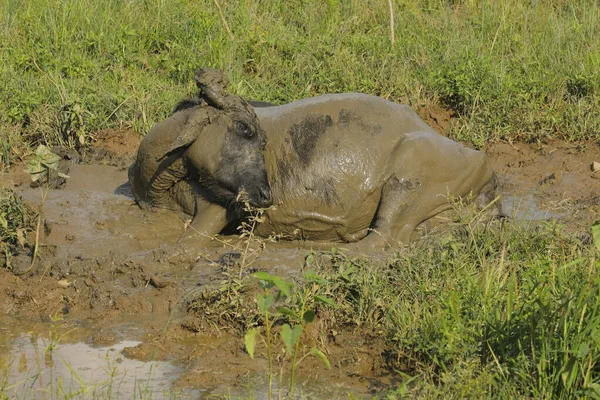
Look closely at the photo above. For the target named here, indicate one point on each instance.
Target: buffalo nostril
(264, 195)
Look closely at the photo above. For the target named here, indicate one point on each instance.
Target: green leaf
(264, 285)
(263, 276)
(282, 285)
(582, 350)
(250, 341)
(309, 260)
(264, 302)
(593, 390)
(297, 332)
(325, 300)
(43, 160)
(3, 221)
(321, 356)
(288, 311)
(312, 277)
(309, 316)
(286, 336)
(596, 234)
(290, 336)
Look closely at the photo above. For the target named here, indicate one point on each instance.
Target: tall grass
(493, 310)
(509, 69)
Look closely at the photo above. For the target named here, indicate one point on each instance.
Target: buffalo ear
(189, 132)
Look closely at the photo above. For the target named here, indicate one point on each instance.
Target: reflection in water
(34, 368)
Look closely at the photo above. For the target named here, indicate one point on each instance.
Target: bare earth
(106, 265)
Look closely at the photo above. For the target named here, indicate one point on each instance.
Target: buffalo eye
(243, 129)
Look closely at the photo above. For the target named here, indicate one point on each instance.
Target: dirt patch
(106, 264)
(119, 142)
(438, 117)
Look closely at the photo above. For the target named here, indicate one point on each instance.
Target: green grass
(493, 310)
(509, 69)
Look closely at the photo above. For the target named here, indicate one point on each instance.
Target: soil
(113, 271)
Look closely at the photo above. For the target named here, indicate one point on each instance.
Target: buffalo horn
(212, 84)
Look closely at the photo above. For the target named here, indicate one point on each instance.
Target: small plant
(299, 313)
(247, 234)
(44, 166)
(227, 301)
(16, 222)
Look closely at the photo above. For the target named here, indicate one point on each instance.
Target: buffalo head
(222, 143)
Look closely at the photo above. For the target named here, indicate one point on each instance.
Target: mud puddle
(95, 213)
(115, 273)
(63, 360)
(525, 208)
(44, 365)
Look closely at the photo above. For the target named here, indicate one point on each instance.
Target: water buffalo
(340, 167)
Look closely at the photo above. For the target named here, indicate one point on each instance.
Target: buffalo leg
(209, 219)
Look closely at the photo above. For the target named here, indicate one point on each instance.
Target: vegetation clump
(17, 220)
(493, 310)
(489, 310)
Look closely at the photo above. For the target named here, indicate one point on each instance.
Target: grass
(493, 310)
(508, 69)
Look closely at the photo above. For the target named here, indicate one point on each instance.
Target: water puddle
(32, 367)
(525, 208)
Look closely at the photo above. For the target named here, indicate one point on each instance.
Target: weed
(490, 310)
(254, 216)
(17, 220)
(596, 234)
(299, 312)
(226, 302)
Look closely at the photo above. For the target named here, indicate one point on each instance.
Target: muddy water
(37, 364)
(95, 213)
(108, 266)
(525, 207)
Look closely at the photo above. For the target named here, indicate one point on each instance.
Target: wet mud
(550, 181)
(111, 282)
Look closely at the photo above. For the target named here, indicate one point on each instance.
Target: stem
(37, 237)
(391, 21)
(245, 252)
(270, 393)
(223, 19)
(295, 356)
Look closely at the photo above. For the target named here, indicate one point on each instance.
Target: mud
(550, 181)
(111, 280)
